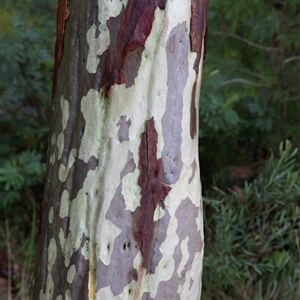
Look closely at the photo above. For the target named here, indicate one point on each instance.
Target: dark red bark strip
(62, 16)
(153, 190)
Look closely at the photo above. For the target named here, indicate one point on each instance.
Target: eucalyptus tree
(122, 212)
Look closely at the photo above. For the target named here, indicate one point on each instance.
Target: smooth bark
(122, 202)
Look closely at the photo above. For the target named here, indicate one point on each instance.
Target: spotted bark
(122, 202)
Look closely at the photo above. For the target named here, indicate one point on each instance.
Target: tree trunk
(122, 203)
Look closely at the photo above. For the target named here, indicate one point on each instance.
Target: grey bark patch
(186, 214)
(123, 132)
(146, 296)
(194, 166)
(178, 47)
(120, 272)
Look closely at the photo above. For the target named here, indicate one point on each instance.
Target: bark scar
(152, 189)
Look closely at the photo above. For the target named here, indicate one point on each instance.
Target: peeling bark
(122, 201)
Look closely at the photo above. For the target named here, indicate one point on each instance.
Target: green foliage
(19, 173)
(252, 236)
(27, 41)
(250, 97)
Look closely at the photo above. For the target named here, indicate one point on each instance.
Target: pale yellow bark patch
(50, 217)
(60, 144)
(93, 110)
(65, 107)
(68, 295)
(64, 170)
(131, 191)
(52, 252)
(85, 251)
(96, 46)
(52, 158)
(158, 213)
(53, 139)
(71, 274)
(64, 104)
(64, 204)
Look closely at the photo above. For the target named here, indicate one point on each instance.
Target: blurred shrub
(252, 236)
(27, 42)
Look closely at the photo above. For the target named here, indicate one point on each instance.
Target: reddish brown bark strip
(62, 16)
(198, 28)
(197, 34)
(136, 25)
(153, 190)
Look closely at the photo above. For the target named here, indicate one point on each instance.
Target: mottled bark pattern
(124, 248)
(133, 27)
(122, 202)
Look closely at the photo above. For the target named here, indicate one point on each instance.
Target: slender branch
(296, 88)
(289, 59)
(241, 80)
(253, 73)
(292, 98)
(235, 36)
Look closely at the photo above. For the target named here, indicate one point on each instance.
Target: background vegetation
(250, 102)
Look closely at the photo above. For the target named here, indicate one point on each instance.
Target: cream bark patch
(64, 170)
(93, 110)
